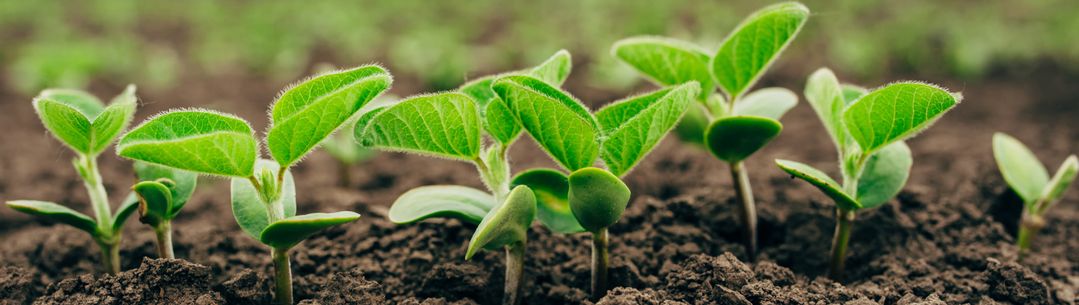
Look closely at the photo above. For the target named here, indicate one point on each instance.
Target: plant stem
(844, 221)
(1028, 229)
(282, 277)
(110, 255)
(99, 198)
(744, 193)
(600, 259)
(164, 239)
(515, 263)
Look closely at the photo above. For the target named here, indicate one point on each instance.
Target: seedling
(162, 192)
(86, 126)
(263, 191)
(343, 147)
(734, 123)
(1030, 180)
(868, 129)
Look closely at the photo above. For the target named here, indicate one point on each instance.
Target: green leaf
(768, 102)
(155, 200)
(288, 232)
(597, 198)
(552, 197)
(57, 213)
(309, 112)
(500, 122)
(87, 104)
(202, 141)
(65, 123)
(480, 89)
(507, 224)
(557, 121)
(453, 201)
(1061, 180)
(1020, 167)
(633, 126)
(692, 126)
(127, 207)
(183, 183)
(555, 69)
(884, 175)
(443, 124)
(895, 113)
(852, 93)
(251, 213)
(112, 120)
(827, 99)
(821, 181)
(735, 138)
(666, 61)
(755, 44)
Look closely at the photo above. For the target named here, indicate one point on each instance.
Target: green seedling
(86, 126)
(1030, 180)
(452, 125)
(734, 123)
(868, 129)
(342, 146)
(162, 192)
(263, 191)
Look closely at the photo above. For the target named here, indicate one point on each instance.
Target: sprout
(868, 129)
(86, 126)
(1030, 180)
(162, 192)
(734, 123)
(263, 191)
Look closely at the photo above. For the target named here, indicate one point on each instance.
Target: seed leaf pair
(1028, 177)
(162, 191)
(81, 121)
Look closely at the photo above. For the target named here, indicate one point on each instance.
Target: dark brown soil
(946, 239)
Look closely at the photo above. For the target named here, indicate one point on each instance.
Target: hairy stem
(844, 221)
(1028, 229)
(600, 259)
(282, 277)
(744, 193)
(515, 263)
(110, 255)
(164, 239)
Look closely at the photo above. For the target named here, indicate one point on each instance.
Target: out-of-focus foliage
(440, 43)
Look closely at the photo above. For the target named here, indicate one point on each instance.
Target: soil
(946, 239)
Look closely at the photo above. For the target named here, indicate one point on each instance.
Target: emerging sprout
(1030, 180)
(868, 129)
(86, 126)
(263, 191)
(735, 123)
(162, 192)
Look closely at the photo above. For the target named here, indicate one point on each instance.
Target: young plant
(452, 125)
(868, 129)
(86, 126)
(162, 192)
(1030, 180)
(734, 123)
(342, 146)
(263, 191)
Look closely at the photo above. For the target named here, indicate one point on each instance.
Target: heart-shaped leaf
(507, 224)
(155, 198)
(597, 198)
(183, 183)
(288, 232)
(454, 201)
(735, 138)
(201, 141)
(755, 44)
(1022, 170)
(307, 113)
(1061, 181)
(768, 102)
(820, 180)
(895, 113)
(127, 207)
(250, 211)
(884, 175)
(827, 99)
(557, 121)
(57, 213)
(666, 61)
(633, 126)
(112, 120)
(443, 124)
(552, 197)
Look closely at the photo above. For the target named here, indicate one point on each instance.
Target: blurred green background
(438, 44)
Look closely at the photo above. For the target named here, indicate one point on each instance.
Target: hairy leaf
(555, 69)
(66, 123)
(755, 44)
(251, 213)
(768, 102)
(884, 175)
(155, 200)
(500, 122)
(288, 232)
(666, 61)
(557, 121)
(112, 120)
(820, 180)
(827, 99)
(1026, 175)
(895, 113)
(597, 198)
(507, 224)
(454, 201)
(443, 124)
(552, 197)
(201, 141)
(633, 126)
(735, 138)
(57, 213)
(86, 103)
(183, 182)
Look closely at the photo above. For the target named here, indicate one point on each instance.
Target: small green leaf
(633, 126)
(884, 175)
(895, 113)
(555, 69)
(507, 224)
(1064, 177)
(852, 93)
(768, 102)
(202, 141)
(692, 126)
(557, 121)
(86, 103)
(288, 232)
(666, 61)
(57, 213)
(251, 213)
(66, 123)
(454, 201)
(597, 198)
(755, 44)
(183, 183)
(309, 112)
(1020, 167)
(155, 198)
(480, 89)
(500, 122)
(821, 181)
(443, 124)
(552, 197)
(827, 99)
(735, 138)
(112, 120)
(127, 207)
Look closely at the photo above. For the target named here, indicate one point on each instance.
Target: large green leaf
(250, 211)
(307, 113)
(771, 103)
(666, 61)
(454, 201)
(444, 124)
(202, 141)
(735, 138)
(820, 180)
(183, 182)
(556, 120)
(597, 198)
(66, 123)
(155, 200)
(552, 197)
(884, 175)
(1020, 167)
(112, 120)
(286, 233)
(633, 126)
(57, 213)
(755, 44)
(895, 113)
(507, 224)
(827, 99)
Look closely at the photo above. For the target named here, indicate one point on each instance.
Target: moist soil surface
(946, 239)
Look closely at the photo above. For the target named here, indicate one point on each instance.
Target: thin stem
(164, 240)
(1028, 229)
(744, 193)
(600, 259)
(844, 221)
(282, 277)
(99, 198)
(515, 263)
(110, 256)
